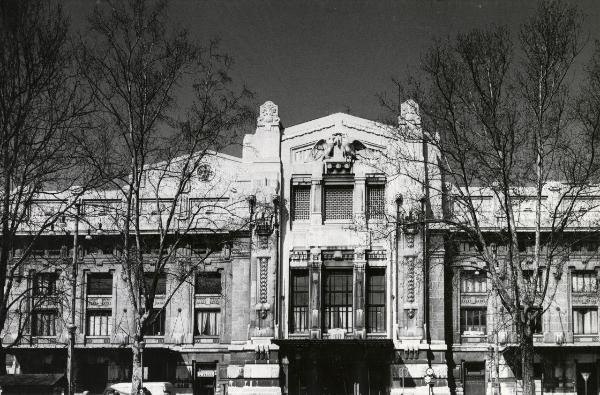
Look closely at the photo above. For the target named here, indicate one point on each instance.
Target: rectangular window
(161, 284)
(375, 201)
(156, 324)
(301, 202)
(537, 323)
(585, 320)
(44, 284)
(208, 322)
(529, 280)
(99, 284)
(473, 320)
(473, 282)
(337, 297)
(43, 322)
(338, 202)
(208, 283)
(584, 282)
(99, 323)
(376, 300)
(299, 302)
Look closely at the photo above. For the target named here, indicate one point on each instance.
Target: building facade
(307, 282)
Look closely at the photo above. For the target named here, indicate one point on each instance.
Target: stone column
(314, 272)
(360, 281)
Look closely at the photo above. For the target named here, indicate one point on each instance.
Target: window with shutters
(208, 322)
(43, 322)
(208, 283)
(299, 302)
(376, 300)
(337, 298)
(99, 323)
(301, 202)
(375, 201)
(100, 284)
(338, 203)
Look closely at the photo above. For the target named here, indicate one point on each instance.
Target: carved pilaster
(360, 264)
(316, 262)
(316, 211)
(359, 201)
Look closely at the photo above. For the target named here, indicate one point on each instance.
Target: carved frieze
(99, 301)
(376, 255)
(584, 299)
(474, 300)
(207, 300)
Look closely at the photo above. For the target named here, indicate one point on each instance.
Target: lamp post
(72, 327)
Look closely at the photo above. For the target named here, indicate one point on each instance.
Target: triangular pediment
(337, 135)
(337, 120)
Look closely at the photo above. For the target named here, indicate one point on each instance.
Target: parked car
(150, 387)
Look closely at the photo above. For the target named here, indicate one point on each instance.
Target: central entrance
(337, 367)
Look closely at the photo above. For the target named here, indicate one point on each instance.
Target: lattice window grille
(375, 201)
(338, 203)
(301, 203)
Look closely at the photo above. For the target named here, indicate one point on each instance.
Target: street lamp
(72, 327)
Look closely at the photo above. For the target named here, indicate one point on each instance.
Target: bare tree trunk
(526, 344)
(2, 360)
(137, 371)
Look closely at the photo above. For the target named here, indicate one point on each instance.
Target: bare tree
(134, 67)
(515, 164)
(41, 111)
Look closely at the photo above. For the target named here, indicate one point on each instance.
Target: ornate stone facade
(318, 289)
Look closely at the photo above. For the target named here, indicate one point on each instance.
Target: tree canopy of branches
(509, 130)
(134, 67)
(41, 110)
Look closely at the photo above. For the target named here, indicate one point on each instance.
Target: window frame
(92, 276)
(594, 322)
(98, 313)
(584, 276)
(53, 313)
(52, 284)
(379, 308)
(477, 282)
(348, 206)
(217, 321)
(331, 307)
(208, 274)
(371, 213)
(299, 311)
(481, 317)
(294, 203)
(159, 315)
(161, 284)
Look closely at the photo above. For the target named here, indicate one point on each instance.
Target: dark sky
(313, 58)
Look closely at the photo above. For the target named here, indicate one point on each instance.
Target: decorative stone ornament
(269, 115)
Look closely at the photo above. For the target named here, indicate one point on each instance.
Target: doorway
(474, 378)
(205, 382)
(587, 379)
